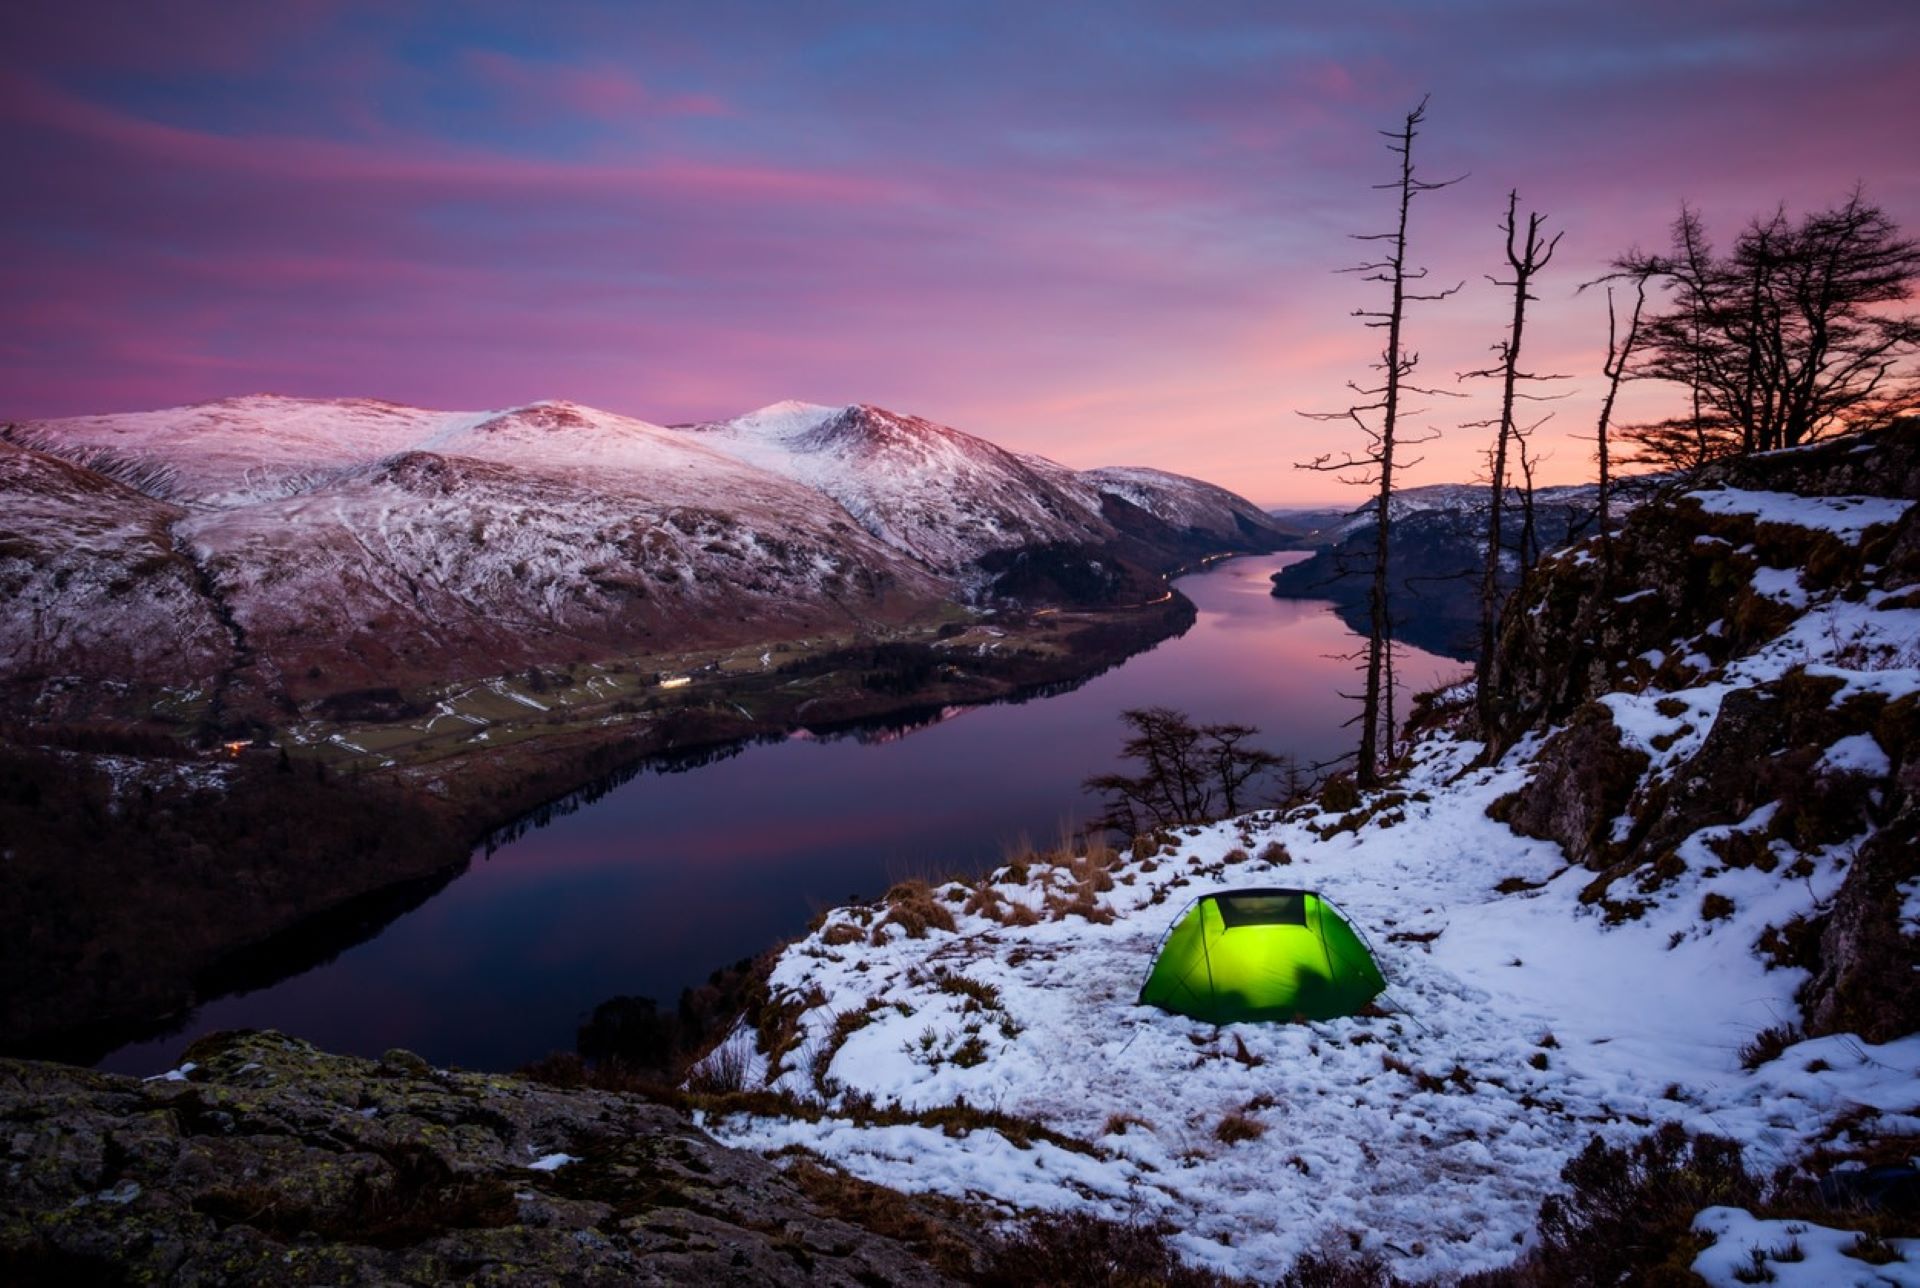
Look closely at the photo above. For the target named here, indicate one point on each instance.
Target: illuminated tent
(1263, 954)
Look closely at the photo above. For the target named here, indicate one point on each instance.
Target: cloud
(1099, 232)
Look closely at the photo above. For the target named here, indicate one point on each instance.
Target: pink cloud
(602, 93)
(436, 165)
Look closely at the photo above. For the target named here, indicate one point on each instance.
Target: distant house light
(676, 681)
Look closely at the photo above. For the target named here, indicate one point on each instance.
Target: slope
(1692, 845)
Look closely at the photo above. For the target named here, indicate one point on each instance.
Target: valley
(336, 610)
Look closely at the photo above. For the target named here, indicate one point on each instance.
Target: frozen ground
(1528, 1026)
(1521, 1022)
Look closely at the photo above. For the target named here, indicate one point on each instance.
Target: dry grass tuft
(1236, 1127)
(912, 906)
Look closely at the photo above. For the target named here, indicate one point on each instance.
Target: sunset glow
(1107, 234)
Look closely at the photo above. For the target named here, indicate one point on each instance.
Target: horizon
(1100, 235)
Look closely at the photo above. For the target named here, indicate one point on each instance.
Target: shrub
(979, 995)
(1274, 854)
(1627, 1216)
(1338, 794)
(986, 901)
(1316, 1270)
(1075, 1248)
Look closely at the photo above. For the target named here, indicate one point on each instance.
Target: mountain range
(283, 548)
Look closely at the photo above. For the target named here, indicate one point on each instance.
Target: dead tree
(1529, 543)
(1526, 255)
(1618, 363)
(1378, 417)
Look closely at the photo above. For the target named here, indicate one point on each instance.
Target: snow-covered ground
(1521, 1021)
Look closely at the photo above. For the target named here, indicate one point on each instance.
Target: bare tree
(1378, 415)
(1529, 543)
(1527, 255)
(1787, 337)
(1618, 362)
(1188, 773)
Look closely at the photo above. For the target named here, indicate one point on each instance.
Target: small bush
(1020, 914)
(970, 1052)
(1275, 855)
(1338, 794)
(1316, 1270)
(1079, 902)
(979, 995)
(1627, 1216)
(1794, 942)
(1117, 1124)
(1715, 907)
(1075, 1248)
(986, 901)
(842, 932)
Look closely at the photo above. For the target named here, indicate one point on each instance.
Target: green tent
(1264, 954)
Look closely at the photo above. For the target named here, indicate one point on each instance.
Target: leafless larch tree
(1527, 254)
(1378, 415)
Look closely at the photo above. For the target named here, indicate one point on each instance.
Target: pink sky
(1106, 233)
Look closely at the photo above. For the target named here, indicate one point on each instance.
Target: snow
(1526, 1031)
(1780, 584)
(331, 528)
(1518, 1026)
(1858, 754)
(1847, 517)
(174, 1075)
(550, 1162)
(940, 496)
(1792, 1254)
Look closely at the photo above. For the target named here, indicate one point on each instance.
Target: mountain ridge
(357, 542)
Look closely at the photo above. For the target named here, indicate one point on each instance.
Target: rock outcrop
(264, 1160)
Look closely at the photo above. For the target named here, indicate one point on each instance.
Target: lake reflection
(671, 875)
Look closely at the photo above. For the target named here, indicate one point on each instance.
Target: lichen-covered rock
(1583, 779)
(1868, 979)
(266, 1160)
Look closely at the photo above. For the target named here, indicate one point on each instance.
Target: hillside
(1675, 890)
(1679, 887)
(1436, 559)
(301, 548)
(269, 667)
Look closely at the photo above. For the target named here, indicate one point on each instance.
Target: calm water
(671, 875)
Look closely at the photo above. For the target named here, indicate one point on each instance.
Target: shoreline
(464, 805)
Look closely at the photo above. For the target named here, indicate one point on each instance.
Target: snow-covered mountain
(1462, 499)
(1439, 547)
(323, 544)
(933, 493)
(1185, 503)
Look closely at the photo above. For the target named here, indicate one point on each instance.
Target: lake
(673, 874)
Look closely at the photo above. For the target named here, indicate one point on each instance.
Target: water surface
(670, 875)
